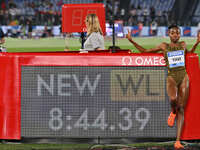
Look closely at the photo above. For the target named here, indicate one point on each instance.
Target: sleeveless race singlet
(175, 57)
(175, 61)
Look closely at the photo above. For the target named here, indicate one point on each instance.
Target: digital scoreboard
(91, 95)
(73, 16)
(94, 101)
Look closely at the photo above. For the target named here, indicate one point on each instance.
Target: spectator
(152, 13)
(30, 28)
(145, 15)
(45, 32)
(140, 27)
(133, 16)
(140, 17)
(2, 39)
(153, 28)
(95, 39)
(198, 27)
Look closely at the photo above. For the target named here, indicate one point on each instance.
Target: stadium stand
(150, 10)
(196, 16)
(47, 13)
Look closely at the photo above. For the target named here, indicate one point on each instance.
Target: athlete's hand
(128, 36)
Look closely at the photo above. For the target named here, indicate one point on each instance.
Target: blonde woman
(95, 39)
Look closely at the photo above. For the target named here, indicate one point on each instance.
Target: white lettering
(148, 61)
(162, 61)
(41, 83)
(85, 83)
(127, 60)
(156, 61)
(62, 85)
(139, 61)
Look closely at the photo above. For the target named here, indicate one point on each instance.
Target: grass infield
(59, 44)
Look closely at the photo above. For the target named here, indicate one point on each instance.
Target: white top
(94, 40)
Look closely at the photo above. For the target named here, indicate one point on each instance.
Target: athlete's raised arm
(196, 44)
(142, 49)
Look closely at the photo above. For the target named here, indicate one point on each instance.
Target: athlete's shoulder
(183, 44)
(163, 45)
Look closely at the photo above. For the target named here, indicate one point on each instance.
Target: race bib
(176, 58)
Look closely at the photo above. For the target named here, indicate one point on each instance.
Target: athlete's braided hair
(173, 26)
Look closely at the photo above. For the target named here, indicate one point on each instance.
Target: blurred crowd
(18, 12)
(140, 11)
(48, 12)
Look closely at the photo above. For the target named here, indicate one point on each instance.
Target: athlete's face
(174, 34)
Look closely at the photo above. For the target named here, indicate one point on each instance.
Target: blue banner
(186, 31)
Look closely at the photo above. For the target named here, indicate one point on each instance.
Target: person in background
(140, 27)
(198, 27)
(30, 28)
(153, 28)
(2, 39)
(177, 79)
(94, 40)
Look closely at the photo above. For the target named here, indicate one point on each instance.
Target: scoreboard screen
(73, 16)
(94, 101)
(92, 95)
